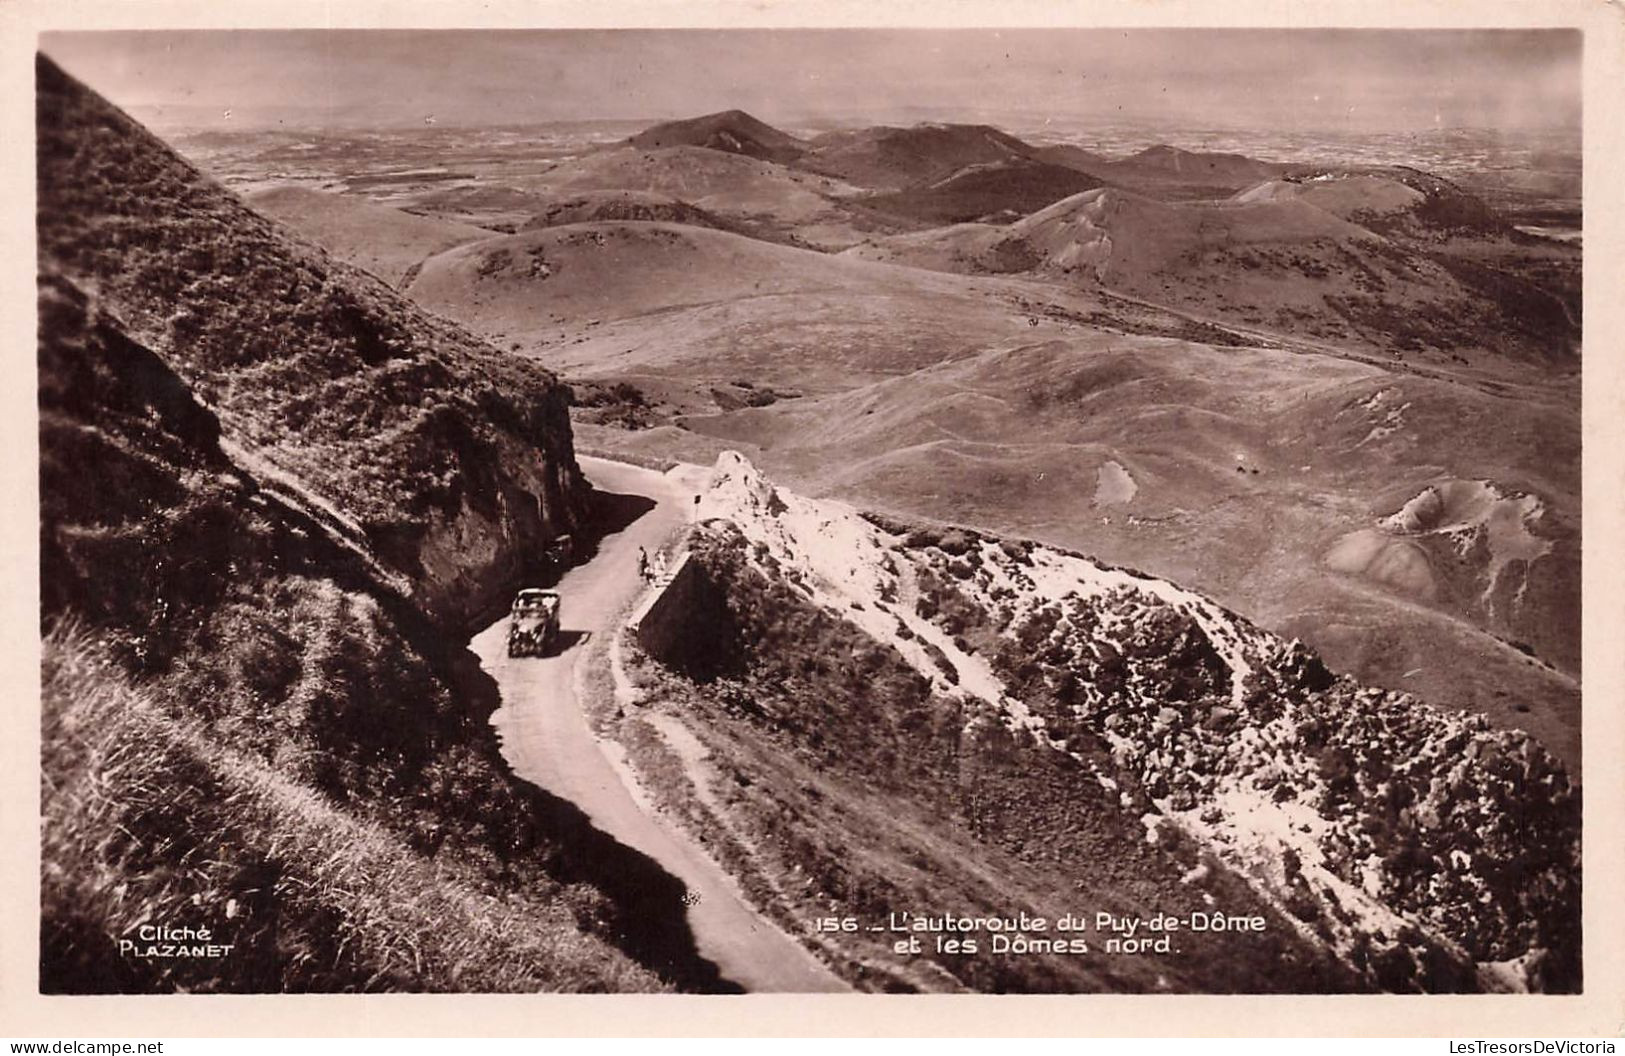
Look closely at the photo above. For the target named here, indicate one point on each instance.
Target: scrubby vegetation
(621, 404)
(1047, 708)
(398, 417)
(1472, 831)
(245, 626)
(150, 819)
(254, 721)
(848, 785)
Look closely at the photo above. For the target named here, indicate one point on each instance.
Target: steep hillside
(444, 459)
(233, 695)
(268, 488)
(384, 241)
(149, 817)
(733, 131)
(1052, 716)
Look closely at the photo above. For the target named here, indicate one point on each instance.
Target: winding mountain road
(547, 741)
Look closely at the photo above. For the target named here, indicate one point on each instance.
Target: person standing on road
(643, 564)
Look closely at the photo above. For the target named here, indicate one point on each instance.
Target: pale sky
(1356, 80)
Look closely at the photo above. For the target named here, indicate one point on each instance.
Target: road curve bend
(547, 741)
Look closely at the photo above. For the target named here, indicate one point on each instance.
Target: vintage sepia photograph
(810, 510)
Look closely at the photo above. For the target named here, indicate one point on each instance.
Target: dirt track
(547, 741)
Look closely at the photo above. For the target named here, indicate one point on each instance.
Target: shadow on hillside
(650, 921)
(567, 640)
(609, 513)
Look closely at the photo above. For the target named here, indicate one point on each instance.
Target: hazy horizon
(1294, 80)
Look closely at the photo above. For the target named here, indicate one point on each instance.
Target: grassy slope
(890, 159)
(844, 785)
(768, 198)
(411, 427)
(1440, 281)
(149, 818)
(709, 307)
(1008, 190)
(243, 621)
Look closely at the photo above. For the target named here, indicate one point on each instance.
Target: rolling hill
(759, 194)
(1422, 280)
(591, 206)
(884, 158)
(1175, 174)
(1262, 478)
(706, 307)
(1116, 237)
(1218, 167)
(1072, 156)
(1346, 198)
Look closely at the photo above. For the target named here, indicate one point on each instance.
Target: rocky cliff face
(445, 460)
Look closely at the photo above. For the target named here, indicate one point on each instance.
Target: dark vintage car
(534, 626)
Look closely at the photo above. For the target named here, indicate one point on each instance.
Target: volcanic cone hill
(1173, 173)
(1072, 156)
(702, 304)
(733, 131)
(1346, 198)
(1204, 164)
(446, 460)
(1398, 201)
(760, 196)
(885, 158)
(269, 491)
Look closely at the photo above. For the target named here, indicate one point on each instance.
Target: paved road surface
(546, 739)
